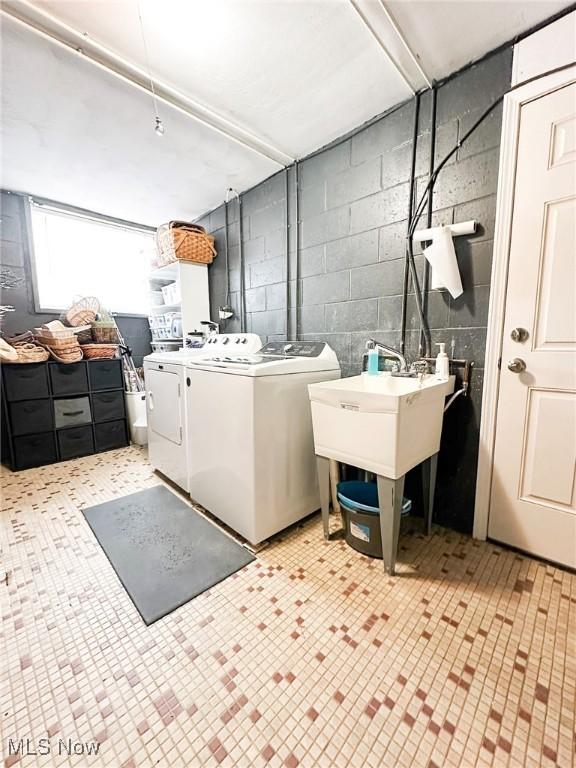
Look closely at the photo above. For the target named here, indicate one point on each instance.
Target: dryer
(170, 434)
(256, 471)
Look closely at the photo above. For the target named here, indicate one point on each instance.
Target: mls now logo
(30, 747)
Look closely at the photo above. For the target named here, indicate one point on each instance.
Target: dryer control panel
(294, 348)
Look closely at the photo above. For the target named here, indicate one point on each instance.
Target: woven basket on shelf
(180, 241)
(99, 351)
(82, 312)
(66, 356)
(30, 353)
(104, 332)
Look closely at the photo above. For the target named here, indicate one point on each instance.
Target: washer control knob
(288, 347)
(237, 341)
(244, 340)
(225, 340)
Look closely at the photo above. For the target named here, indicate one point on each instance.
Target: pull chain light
(159, 125)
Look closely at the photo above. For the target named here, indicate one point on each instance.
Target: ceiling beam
(384, 29)
(53, 29)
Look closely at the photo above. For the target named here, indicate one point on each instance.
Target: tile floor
(310, 656)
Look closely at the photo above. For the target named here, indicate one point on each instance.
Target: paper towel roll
(442, 258)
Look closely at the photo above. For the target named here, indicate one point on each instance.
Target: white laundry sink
(384, 424)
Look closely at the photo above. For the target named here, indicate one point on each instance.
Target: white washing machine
(256, 470)
(170, 433)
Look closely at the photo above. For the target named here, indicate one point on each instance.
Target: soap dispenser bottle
(442, 370)
(373, 366)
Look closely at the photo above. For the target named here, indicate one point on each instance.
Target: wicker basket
(99, 351)
(62, 343)
(180, 241)
(30, 353)
(66, 356)
(82, 312)
(104, 332)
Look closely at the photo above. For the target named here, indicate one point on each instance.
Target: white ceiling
(284, 77)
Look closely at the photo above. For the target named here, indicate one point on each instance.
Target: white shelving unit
(194, 304)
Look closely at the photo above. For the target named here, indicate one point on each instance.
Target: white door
(532, 503)
(164, 404)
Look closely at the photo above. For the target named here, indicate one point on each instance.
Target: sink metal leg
(390, 501)
(323, 469)
(429, 468)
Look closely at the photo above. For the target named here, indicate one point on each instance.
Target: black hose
(425, 342)
(287, 190)
(297, 255)
(407, 270)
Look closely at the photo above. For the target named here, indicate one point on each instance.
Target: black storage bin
(68, 378)
(25, 382)
(29, 416)
(105, 374)
(107, 406)
(110, 434)
(70, 412)
(34, 450)
(54, 411)
(75, 442)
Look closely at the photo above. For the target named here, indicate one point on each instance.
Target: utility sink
(384, 424)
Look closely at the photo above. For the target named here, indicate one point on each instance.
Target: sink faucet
(391, 352)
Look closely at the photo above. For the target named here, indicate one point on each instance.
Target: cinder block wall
(353, 212)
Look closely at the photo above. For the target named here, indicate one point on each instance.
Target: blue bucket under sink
(361, 515)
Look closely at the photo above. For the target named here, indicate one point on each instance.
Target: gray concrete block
(380, 209)
(354, 183)
(11, 204)
(217, 219)
(390, 313)
(312, 261)
(11, 254)
(484, 212)
(445, 140)
(311, 319)
(312, 200)
(253, 251)
(467, 180)
(276, 296)
(353, 251)
(380, 137)
(471, 309)
(486, 136)
(474, 261)
(386, 278)
(392, 241)
(339, 342)
(352, 316)
(255, 299)
(267, 219)
(436, 310)
(325, 164)
(10, 229)
(321, 289)
(275, 243)
(234, 232)
(396, 165)
(267, 272)
(476, 88)
(269, 192)
(268, 322)
(235, 280)
(327, 226)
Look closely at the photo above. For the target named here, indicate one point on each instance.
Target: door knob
(517, 365)
(519, 334)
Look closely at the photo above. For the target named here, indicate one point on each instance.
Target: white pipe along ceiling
(243, 88)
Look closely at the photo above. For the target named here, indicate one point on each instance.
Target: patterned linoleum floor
(310, 656)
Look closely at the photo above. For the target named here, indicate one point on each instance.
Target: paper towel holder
(464, 228)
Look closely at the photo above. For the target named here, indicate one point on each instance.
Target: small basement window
(79, 254)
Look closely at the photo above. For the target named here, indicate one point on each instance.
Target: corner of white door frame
(513, 102)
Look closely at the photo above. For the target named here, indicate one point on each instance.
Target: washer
(170, 433)
(256, 471)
